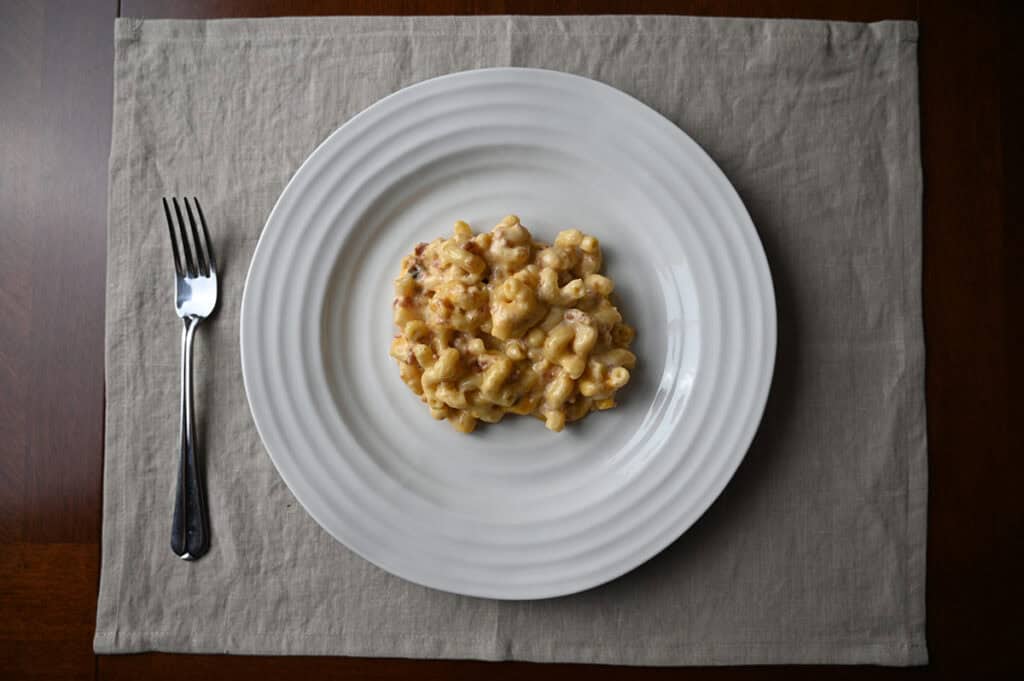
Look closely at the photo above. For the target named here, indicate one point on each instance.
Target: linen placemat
(815, 552)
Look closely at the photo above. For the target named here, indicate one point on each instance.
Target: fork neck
(188, 334)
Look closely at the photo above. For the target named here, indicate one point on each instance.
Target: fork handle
(190, 535)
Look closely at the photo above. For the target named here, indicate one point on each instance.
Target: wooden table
(55, 114)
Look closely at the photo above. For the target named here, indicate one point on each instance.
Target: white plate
(513, 510)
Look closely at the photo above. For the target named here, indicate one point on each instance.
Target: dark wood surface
(55, 109)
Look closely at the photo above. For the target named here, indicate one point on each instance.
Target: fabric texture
(815, 552)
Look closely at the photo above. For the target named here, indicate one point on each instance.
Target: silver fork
(195, 297)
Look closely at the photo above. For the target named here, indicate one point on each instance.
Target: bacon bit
(473, 247)
(420, 247)
(403, 302)
(574, 315)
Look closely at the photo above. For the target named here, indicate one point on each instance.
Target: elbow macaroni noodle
(497, 323)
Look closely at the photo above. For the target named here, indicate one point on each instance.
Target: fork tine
(190, 265)
(202, 245)
(174, 241)
(206, 235)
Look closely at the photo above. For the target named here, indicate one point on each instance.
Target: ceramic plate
(513, 510)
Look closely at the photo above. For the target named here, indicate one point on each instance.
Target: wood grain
(973, 515)
(48, 597)
(55, 106)
(22, 57)
(55, 143)
(849, 10)
(163, 667)
(55, 80)
(1011, 59)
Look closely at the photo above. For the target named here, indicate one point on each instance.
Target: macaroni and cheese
(497, 323)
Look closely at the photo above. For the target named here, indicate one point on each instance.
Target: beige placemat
(814, 553)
